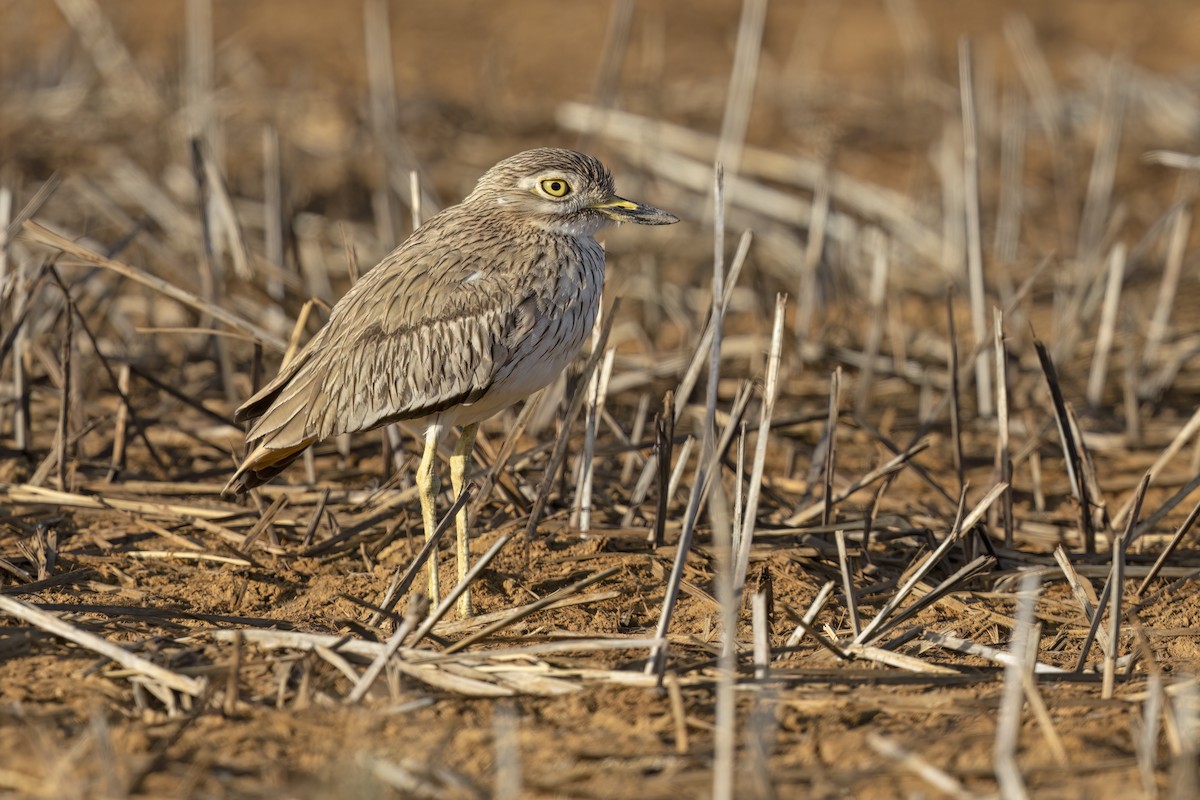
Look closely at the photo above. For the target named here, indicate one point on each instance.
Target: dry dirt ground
(137, 547)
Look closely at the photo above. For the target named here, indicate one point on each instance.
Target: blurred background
(318, 114)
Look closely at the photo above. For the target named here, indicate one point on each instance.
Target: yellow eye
(556, 187)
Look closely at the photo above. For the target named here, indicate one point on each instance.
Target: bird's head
(561, 191)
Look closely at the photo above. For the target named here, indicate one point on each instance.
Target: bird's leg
(460, 460)
(427, 485)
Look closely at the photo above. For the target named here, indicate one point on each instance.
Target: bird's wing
(421, 332)
(360, 375)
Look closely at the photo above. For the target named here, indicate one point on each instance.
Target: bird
(484, 304)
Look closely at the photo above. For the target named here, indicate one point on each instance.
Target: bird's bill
(619, 209)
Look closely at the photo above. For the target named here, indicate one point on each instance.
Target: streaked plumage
(483, 305)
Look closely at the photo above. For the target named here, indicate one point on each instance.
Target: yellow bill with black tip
(621, 210)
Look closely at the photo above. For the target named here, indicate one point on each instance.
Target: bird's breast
(562, 313)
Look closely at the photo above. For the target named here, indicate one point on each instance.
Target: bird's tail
(262, 464)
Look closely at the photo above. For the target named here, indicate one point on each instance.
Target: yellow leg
(427, 486)
(459, 462)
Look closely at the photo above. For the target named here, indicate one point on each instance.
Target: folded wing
(403, 343)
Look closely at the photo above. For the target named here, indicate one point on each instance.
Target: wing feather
(405, 342)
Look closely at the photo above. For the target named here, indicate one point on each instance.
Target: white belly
(546, 353)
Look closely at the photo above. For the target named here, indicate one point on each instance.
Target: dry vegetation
(905, 512)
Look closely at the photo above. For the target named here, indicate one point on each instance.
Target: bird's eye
(556, 187)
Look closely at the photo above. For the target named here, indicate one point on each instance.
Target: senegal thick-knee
(484, 304)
